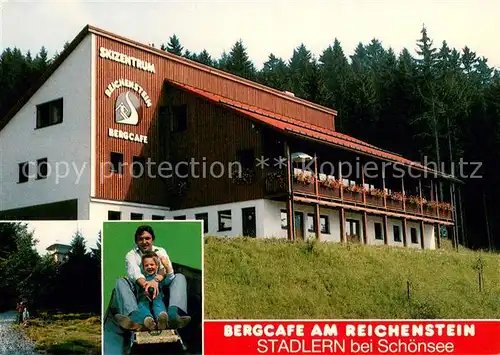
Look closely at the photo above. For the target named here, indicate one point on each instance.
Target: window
(378, 231)
(352, 228)
(179, 122)
(42, 169)
(225, 221)
(138, 166)
(49, 113)
(397, 234)
(136, 216)
(324, 225)
(114, 215)
(24, 171)
(310, 223)
(203, 217)
(413, 234)
(157, 218)
(117, 163)
(179, 218)
(284, 219)
(246, 157)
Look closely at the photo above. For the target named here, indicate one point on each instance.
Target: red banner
(352, 337)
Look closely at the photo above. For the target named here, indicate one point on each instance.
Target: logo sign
(126, 60)
(127, 108)
(129, 84)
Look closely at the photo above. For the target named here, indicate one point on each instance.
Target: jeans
(125, 301)
(144, 309)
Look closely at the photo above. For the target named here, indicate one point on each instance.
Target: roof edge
(44, 77)
(209, 69)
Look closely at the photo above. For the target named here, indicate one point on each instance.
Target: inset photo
(152, 287)
(50, 287)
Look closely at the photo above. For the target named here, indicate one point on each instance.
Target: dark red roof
(302, 129)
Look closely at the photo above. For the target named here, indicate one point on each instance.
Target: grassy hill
(268, 279)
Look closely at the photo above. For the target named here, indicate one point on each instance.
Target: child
(150, 265)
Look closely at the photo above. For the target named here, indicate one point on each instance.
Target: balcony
(329, 188)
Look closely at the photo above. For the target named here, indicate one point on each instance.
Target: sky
(264, 26)
(50, 232)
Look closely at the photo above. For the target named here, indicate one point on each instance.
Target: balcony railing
(330, 188)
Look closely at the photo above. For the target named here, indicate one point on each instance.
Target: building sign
(128, 109)
(125, 83)
(126, 60)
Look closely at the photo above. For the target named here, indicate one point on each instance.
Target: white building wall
(395, 222)
(99, 210)
(272, 221)
(65, 145)
(236, 217)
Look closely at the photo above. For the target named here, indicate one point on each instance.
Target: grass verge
(248, 278)
(65, 333)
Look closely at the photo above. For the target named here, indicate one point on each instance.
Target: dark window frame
(413, 240)
(203, 217)
(246, 157)
(142, 161)
(116, 169)
(23, 172)
(380, 236)
(397, 228)
(116, 214)
(179, 118)
(41, 121)
(220, 214)
(352, 222)
(136, 216)
(42, 163)
(156, 217)
(181, 217)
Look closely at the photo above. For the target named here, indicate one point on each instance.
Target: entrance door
(249, 225)
(299, 225)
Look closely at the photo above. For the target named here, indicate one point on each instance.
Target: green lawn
(263, 278)
(65, 334)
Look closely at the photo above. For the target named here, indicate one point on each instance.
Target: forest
(430, 103)
(71, 286)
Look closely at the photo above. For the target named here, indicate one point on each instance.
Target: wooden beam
(365, 227)
(403, 192)
(405, 232)
(316, 191)
(311, 201)
(420, 195)
(422, 236)
(363, 183)
(290, 199)
(341, 182)
(383, 189)
(343, 237)
(438, 234)
(386, 230)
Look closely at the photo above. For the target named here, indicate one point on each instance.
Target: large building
(120, 130)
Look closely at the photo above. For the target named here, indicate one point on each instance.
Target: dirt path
(13, 341)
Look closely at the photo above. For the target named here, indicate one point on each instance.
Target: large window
(414, 236)
(225, 223)
(352, 228)
(158, 218)
(49, 113)
(378, 231)
(135, 216)
(324, 227)
(138, 166)
(246, 157)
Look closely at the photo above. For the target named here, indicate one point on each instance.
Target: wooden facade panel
(209, 132)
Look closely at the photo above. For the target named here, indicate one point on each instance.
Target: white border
(129, 204)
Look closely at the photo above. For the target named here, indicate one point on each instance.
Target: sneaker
(126, 323)
(179, 322)
(149, 323)
(162, 321)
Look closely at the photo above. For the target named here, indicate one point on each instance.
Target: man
(126, 289)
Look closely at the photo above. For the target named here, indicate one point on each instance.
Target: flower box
(327, 191)
(353, 196)
(412, 208)
(394, 204)
(301, 187)
(374, 200)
